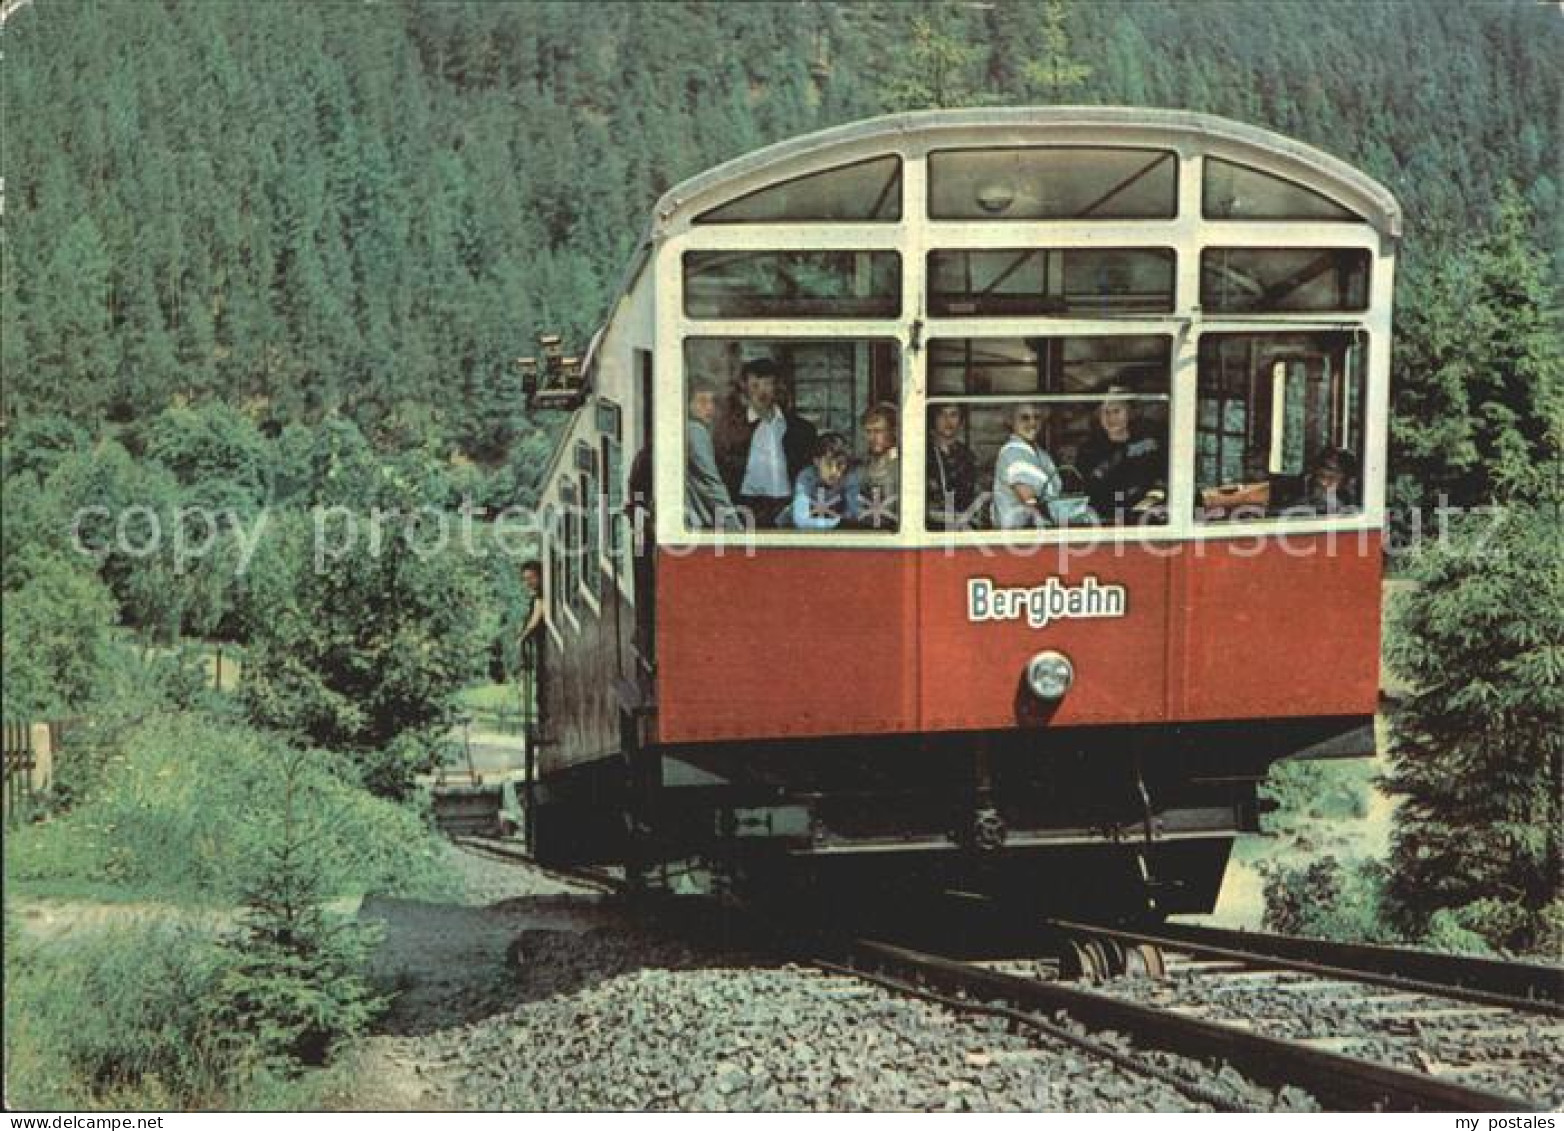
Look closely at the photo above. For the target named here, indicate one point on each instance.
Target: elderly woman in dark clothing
(1120, 463)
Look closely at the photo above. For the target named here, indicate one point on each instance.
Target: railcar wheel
(1145, 960)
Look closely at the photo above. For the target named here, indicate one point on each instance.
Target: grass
(490, 698)
(181, 809)
(118, 1015)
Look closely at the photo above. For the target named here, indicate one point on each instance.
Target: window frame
(1351, 217)
(793, 536)
(1207, 250)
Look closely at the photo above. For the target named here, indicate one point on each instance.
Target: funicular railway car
(983, 497)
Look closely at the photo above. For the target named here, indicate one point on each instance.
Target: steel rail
(1522, 986)
(499, 850)
(1200, 1093)
(1355, 1084)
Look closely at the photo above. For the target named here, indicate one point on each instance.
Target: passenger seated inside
(1122, 465)
(1025, 478)
(951, 471)
(826, 494)
(879, 477)
(1332, 486)
(707, 505)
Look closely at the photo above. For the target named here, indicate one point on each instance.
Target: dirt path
(449, 964)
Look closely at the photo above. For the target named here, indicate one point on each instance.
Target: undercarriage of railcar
(1127, 821)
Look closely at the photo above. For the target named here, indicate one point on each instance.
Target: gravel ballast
(534, 995)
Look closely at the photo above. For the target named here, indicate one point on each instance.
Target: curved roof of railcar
(1028, 125)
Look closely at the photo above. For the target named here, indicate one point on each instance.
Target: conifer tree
(294, 979)
(936, 69)
(1479, 366)
(1057, 74)
(1476, 746)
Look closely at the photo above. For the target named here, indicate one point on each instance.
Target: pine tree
(294, 979)
(936, 69)
(1058, 74)
(1477, 747)
(1479, 366)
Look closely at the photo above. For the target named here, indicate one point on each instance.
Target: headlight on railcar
(1049, 675)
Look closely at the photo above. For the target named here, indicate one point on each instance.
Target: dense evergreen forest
(367, 210)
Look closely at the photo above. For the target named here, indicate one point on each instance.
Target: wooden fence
(30, 750)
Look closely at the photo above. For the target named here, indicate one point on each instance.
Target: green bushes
(292, 982)
(1328, 899)
(1319, 789)
(153, 1015)
(182, 808)
(205, 1010)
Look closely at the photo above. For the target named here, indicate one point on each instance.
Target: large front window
(792, 434)
(1044, 432)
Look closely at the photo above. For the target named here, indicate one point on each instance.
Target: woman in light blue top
(1025, 478)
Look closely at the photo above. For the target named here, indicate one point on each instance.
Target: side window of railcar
(591, 517)
(570, 512)
(556, 588)
(1047, 432)
(1279, 428)
(611, 428)
(792, 434)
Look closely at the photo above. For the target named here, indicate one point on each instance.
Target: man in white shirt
(762, 447)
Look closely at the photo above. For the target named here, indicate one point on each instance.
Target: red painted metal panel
(1288, 628)
(786, 642)
(812, 641)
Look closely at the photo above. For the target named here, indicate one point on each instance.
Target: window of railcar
(591, 516)
(1236, 192)
(610, 427)
(829, 459)
(792, 284)
(1279, 429)
(868, 190)
(1081, 421)
(570, 511)
(557, 587)
(1063, 183)
(1041, 280)
(1251, 280)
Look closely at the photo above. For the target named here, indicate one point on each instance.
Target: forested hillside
(369, 209)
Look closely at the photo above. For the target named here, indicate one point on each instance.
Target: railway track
(497, 848)
(1336, 1080)
(1522, 986)
(1174, 1023)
